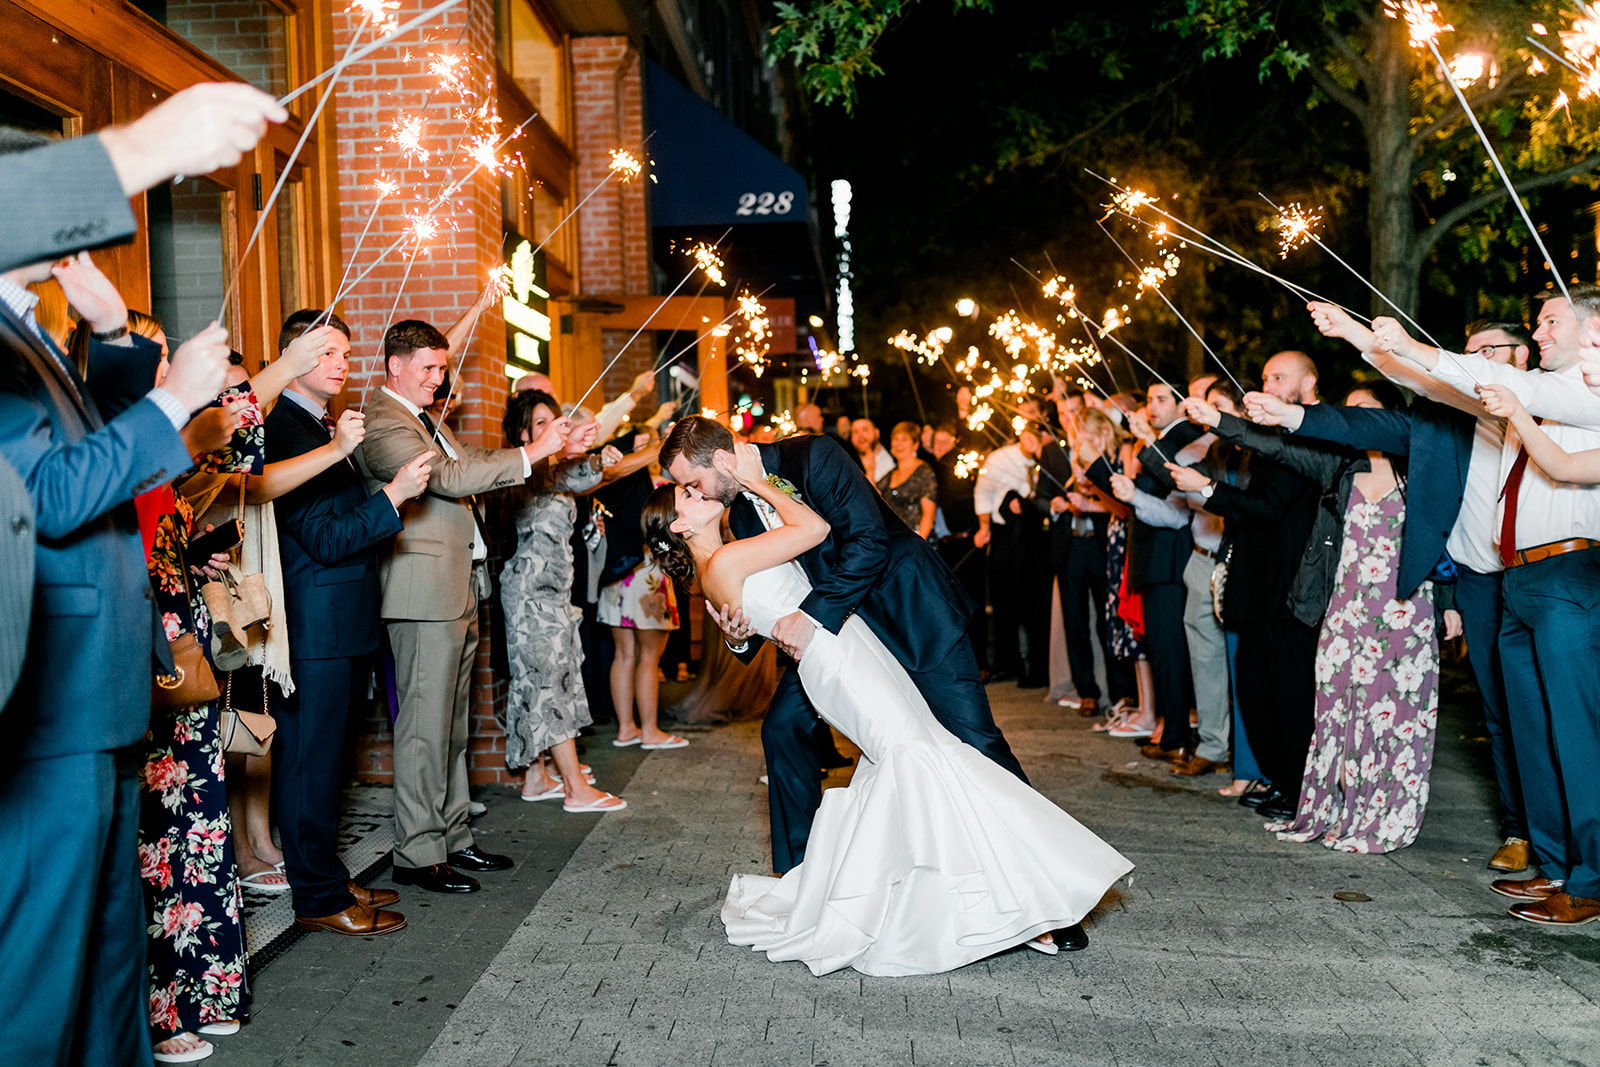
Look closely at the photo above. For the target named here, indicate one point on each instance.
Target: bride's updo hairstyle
(671, 550)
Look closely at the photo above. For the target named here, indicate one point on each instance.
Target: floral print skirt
(642, 600)
(196, 947)
(1366, 778)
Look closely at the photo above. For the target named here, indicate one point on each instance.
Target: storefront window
(535, 60)
(249, 37)
(188, 267)
(531, 207)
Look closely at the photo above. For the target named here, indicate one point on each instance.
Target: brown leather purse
(191, 681)
(249, 732)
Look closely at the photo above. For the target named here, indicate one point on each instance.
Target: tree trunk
(1391, 226)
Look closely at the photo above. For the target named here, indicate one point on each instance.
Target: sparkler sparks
(967, 464)
(379, 13)
(927, 349)
(1128, 201)
(1296, 226)
(625, 165)
(407, 136)
(1422, 19)
(707, 259)
(386, 187)
(755, 337)
(979, 415)
(1582, 45)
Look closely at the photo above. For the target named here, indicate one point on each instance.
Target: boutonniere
(784, 486)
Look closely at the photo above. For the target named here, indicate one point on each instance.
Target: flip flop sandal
(1049, 948)
(673, 741)
(223, 1029)
(199, 1052)
(629, 743)
(555, 792)
(598, 807)
(262, 887)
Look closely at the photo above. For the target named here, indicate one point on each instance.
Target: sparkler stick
(622, 162)
(707, 260)
(1170, 307)
(1310, 235)
(367, 386)
(1422, 21)
(352, 57)
(1558, 57)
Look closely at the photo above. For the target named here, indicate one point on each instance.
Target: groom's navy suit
(875, 566)
(329, 533)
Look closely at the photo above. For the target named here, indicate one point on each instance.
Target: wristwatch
(1205, 494)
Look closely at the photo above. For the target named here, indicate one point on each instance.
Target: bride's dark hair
(671, 550)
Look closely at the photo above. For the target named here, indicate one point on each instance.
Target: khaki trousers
(433, 664)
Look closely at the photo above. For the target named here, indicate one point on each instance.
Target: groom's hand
(792, 633)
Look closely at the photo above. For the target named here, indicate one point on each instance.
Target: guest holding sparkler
(1015, 539)
(431, 585)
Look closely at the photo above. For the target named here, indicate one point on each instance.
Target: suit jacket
(330, 538)
(1267, 521)
(1438, 440)
(95, 632)
(1155, 553)
(871, 563)
(427, 574)
(16, 577)
(59, 199)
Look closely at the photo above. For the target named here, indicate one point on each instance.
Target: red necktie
(328, 423)
(1510, 493)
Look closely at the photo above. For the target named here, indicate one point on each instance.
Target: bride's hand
(735, 627)
(748, 468)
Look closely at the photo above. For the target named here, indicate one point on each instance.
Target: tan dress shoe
(1526, 888)
(1511, 856)
(1197, 765)
(1557, 910)
(1151, 750)
(358, 920)
(374, 898)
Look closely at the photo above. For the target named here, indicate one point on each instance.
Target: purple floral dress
(196, 951)
(1366, 777)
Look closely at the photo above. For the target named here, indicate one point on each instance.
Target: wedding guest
(546, 704)
(910, 488)
(955, 526)
(1015, 541)
(430, 599)
(870, 453)
(808, 419)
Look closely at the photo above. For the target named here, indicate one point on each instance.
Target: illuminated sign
(526, 309)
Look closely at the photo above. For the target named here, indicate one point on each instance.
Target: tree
(1421, 171)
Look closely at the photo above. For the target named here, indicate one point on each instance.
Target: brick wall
(608, 105)
(246, 36)
(186, 267)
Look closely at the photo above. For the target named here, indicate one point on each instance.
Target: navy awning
(708, 171)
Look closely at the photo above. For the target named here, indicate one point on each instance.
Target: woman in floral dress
(546, 704)
(196, 954)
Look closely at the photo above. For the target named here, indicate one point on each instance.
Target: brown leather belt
(1554, 548)
(1206, 552)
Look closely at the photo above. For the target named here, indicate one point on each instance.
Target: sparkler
(624, 165)
(1296, 226)
(1293, 218)
(361, 53)
(1421, 17)
(707, 260)
(756, 337)
(1181, 318)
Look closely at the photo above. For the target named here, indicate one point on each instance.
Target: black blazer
(1268, 518)
(871, 563)
(330, 534)
(1155, 553)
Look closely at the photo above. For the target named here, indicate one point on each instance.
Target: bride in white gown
(934, 856)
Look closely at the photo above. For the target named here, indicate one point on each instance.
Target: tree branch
(1430, 236)
(1338, 93)
(1501, 91)
(1342, 45)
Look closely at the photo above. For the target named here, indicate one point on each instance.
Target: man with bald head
(534, 380)
(808, 419)
(1291, 377)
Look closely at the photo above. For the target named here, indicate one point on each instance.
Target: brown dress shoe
(358, 920)
(1558, 910)
(374, 898)
(1195, 766)
(1088, 707)
(1511, 856)
(1151, 750)
(1526, 888)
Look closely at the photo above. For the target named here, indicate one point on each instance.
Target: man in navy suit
(330, 537)
(71, 911)
(872, 565)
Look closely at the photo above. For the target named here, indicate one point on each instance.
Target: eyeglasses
(1482, 349)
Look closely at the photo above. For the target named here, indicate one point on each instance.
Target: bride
(934, 856)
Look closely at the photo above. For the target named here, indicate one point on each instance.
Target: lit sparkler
(1422, 19)
(707, 259)
(755, 338)
(968, 463)
(1296, 226)
(625, 164)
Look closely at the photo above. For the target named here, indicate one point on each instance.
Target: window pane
(188, 270)
(246, 36)
(291, 268)
(536, 64)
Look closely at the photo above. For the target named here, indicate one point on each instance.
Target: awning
(709, 172)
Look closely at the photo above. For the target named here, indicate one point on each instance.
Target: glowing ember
(424, 228)
(967, 464)
(407, 136)
(484, 151)
(386, 187)
(625, 164)
(380, 13)
(755, 339)
(1296, 226)
(706, 259)
(1113, 320)
(978, 416)
(1422, 20)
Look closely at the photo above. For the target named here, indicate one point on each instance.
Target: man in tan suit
(430, 601)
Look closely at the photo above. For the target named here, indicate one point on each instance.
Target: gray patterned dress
(546, 703)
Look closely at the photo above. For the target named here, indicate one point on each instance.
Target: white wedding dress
(933, 857)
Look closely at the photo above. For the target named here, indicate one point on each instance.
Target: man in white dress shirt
(1546, 534)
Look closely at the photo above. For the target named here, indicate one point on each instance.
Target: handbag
(191, 681)
(236, 602)
(249, 732)
(1219, 583)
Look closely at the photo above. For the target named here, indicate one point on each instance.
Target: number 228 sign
(765, 203)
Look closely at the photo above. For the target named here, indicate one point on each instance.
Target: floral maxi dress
(1366, 776)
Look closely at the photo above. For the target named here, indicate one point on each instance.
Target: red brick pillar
(377, 93)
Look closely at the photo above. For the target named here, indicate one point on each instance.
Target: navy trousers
(307, 764)
(72, 976)
(1081, 579)
(954, 691)
(1478, 600)
(1548, 636)
(1167, 645)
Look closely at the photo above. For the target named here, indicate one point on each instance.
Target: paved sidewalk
(1224, 947)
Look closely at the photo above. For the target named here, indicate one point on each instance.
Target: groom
(871, 564)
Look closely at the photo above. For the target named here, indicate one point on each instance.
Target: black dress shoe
(1278, 810)
(1072, 938)
(475, 859)
(439, 878)
(1255, 800)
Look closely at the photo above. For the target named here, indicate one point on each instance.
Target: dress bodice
(771, 594)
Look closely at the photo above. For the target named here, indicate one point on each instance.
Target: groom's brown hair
(695, 438)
